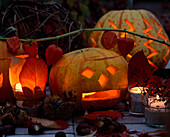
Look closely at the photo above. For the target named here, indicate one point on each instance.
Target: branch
(94, 29)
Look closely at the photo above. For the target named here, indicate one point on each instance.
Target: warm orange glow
(84, 95)
(92, 38)
(113, 25)
(148, 42)
(101, 95)
(1, 80)
(22, 56)
(157, 97)
(18, 87)
(164, 38)
(132, 28)
(103, 80)
(129, 56)
(138, 90)
(87, 72)
(112, 69)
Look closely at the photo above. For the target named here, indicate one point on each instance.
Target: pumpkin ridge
(120, 21)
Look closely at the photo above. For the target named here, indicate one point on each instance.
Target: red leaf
(53, 54)
(125, 45)
(109, 39)
(13, 44)
(96, 114)
(31, 48)
(139, 70)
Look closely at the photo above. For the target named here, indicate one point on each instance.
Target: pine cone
(67, 111)
(49, 106)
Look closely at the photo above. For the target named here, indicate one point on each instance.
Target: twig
(93, 29)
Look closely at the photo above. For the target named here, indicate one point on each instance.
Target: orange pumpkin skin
(6, 93)
(139, 21)
(68, 77)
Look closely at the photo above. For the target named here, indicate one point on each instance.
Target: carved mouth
(100, 95)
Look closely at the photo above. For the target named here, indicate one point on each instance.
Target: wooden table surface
(132, 123)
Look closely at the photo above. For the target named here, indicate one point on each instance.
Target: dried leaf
(139, 70)
(57, 124)
(108, 113)
(125, 45)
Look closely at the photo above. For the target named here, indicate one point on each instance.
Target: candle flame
(157, 97)
(18, 87)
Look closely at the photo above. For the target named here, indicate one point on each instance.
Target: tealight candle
(136, 106)
(156, 113)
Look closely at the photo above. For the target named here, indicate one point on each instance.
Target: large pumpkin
(139, 21)
(94, 77)
(6, 94)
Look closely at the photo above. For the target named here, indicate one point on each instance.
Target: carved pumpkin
(6, 94)
(28, 77)
(93, 76)
(139, 21)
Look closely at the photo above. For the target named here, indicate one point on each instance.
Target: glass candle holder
(28, 100)
(156, 112)
(136, 105)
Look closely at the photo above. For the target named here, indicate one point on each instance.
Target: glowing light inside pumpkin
(101, 95)
(18, 87)
(1, 80)
(112, 24)
(92, 38)
(87, 72)
(88, 94)
(132, 28)
(164, 38)
(103, 80)
(112, 69)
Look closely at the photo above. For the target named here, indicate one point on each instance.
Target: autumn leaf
(108, 113)
(57, 124)
(139, 70)
(125, 45)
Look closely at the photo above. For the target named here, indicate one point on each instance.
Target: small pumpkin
(94, 77)
(6, 93)
(139, 21)
(28, 77)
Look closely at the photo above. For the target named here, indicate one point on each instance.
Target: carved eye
(87, 72)
(103, 78)
(112, 69)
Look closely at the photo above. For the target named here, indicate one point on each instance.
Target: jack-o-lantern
(28, 77)
(139, 21)
(6, 94)
(94, 77)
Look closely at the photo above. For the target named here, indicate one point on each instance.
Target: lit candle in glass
(136, 106)
(156, 112)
